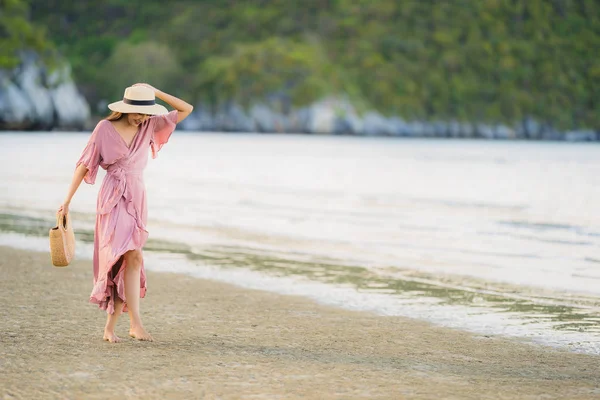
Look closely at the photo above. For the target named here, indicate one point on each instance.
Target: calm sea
(493, 237)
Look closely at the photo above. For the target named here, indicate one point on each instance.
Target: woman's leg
(133, 267)
(111, 322)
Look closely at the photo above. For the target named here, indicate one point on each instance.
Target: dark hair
(115, 116)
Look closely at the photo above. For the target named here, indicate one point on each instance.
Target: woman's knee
(134, 259)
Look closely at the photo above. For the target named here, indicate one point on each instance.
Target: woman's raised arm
(183, 108)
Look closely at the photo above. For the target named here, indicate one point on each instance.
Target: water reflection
(579, 314)
(580, 318)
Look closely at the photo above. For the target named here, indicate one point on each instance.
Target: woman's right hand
(63, 209)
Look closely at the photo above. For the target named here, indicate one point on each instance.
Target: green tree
(471, 60)
(250, 71)
(145, 62)
(17, 33)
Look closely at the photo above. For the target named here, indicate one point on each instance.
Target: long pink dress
(121, 208)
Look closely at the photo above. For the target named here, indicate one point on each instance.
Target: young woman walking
(120, 144)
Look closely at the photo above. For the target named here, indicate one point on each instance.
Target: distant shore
(29, 105)
(219, 341)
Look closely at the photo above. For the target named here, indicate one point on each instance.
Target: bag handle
(62, 224)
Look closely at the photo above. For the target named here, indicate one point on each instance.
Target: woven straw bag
(62, 241)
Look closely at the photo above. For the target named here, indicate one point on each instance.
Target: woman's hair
(115, 116)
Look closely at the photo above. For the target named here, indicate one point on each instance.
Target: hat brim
(120, 106)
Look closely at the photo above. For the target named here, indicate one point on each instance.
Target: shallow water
(495, 237)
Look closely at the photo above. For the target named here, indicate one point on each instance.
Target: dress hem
(104, 297)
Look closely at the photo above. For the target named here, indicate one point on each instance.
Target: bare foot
(110, 336)
(140, 333)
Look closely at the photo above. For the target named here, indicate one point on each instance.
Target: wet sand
(215, 340)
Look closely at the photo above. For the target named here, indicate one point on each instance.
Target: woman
(120, 144)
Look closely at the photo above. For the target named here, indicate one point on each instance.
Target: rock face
(337, 116)
(15, 110)
(31, 97)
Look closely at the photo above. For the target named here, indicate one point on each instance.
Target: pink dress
(121, 207)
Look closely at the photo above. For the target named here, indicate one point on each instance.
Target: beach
(215, 340)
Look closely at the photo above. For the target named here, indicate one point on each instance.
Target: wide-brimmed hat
(138, 99)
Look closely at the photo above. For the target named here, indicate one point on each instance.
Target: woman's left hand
(183, 109)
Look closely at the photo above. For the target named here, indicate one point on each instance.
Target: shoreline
(567, 137)
(217, 340)
(536, 316)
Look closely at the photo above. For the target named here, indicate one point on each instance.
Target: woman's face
(137, 119)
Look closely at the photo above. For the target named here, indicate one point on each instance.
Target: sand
(217, 341)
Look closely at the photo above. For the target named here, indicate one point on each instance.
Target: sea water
(494, 237)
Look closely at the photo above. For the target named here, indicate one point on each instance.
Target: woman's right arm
(80, 172)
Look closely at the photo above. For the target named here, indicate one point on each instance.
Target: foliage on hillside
(478, 60)
(17, 34)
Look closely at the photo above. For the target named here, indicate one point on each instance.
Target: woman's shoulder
(101, 127)
(149, 124)
(103, 124)
(160, 121)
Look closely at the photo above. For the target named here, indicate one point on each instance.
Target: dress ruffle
(164, 125)
(90, 158)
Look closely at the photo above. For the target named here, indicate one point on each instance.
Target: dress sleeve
(162, 128)
(90, 157)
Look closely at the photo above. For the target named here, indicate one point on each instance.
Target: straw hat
(138, 99)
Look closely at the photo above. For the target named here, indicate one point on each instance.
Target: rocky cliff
(35, 97)
(338, 117)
